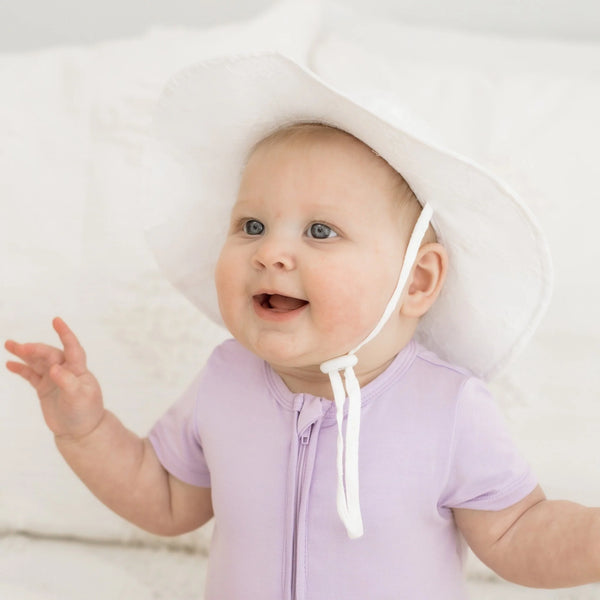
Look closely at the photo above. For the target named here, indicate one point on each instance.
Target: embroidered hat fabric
(210, 116)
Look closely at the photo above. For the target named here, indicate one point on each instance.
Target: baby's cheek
(347, 309)
(225, 281)
(357, 295)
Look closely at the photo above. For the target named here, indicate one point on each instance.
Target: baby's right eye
(253, 227)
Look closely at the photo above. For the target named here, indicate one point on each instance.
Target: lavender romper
(431, 439)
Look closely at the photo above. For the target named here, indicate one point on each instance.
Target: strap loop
(338, 363)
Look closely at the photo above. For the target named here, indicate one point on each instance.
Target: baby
(330, 264)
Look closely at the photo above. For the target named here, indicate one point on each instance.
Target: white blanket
(39, 569)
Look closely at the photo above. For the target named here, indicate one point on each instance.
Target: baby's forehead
(336, 154)
(301, 139)
(348, 149)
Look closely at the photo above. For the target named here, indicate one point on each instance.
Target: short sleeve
(176, 441)
(485, 469)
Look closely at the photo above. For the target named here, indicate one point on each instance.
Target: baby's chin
(286, 355)
(281, 358)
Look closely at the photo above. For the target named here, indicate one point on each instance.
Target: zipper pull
(305, 437)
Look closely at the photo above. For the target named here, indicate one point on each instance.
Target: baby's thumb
(63, 378)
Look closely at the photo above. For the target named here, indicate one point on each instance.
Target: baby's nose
(273, 254)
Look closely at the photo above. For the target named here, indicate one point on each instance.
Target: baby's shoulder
(231, 354)
(231, 361)
(442, 379)
(430, 361)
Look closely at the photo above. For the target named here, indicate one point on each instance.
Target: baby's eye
(321, 231)
(253, 227)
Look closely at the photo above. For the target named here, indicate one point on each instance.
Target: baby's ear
(426, 280)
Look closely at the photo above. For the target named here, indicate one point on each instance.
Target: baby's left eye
(321, 231)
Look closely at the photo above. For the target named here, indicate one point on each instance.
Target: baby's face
(313, 252)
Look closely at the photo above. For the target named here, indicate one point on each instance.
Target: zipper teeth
(304, 441)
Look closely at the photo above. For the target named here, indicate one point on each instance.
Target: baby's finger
(25, 372)
(15, 348)
(11, 346)
(74, 352)
(38, 356)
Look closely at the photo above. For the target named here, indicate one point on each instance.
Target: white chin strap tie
(348, 501)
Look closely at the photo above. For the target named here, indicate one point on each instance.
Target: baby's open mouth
(279, 303)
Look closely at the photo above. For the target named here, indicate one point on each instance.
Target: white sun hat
(212, 114)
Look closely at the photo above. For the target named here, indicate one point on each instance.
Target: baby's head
(211, 115)
(314, 250)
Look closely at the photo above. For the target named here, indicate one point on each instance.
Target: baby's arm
(536, 542)
(119, 467)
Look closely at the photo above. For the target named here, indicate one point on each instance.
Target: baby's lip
(279, 302)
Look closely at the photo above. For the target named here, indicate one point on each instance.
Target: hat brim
(210, 116)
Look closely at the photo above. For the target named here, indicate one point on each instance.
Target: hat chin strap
(348, 501)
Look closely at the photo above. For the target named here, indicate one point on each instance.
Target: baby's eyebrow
(241, 203)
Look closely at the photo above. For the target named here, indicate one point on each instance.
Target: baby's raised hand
(70, 396)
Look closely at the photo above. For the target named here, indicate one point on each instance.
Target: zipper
(300, 472)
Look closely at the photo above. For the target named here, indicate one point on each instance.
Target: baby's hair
(298, 132)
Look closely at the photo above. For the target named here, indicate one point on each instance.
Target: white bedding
(51, 569)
